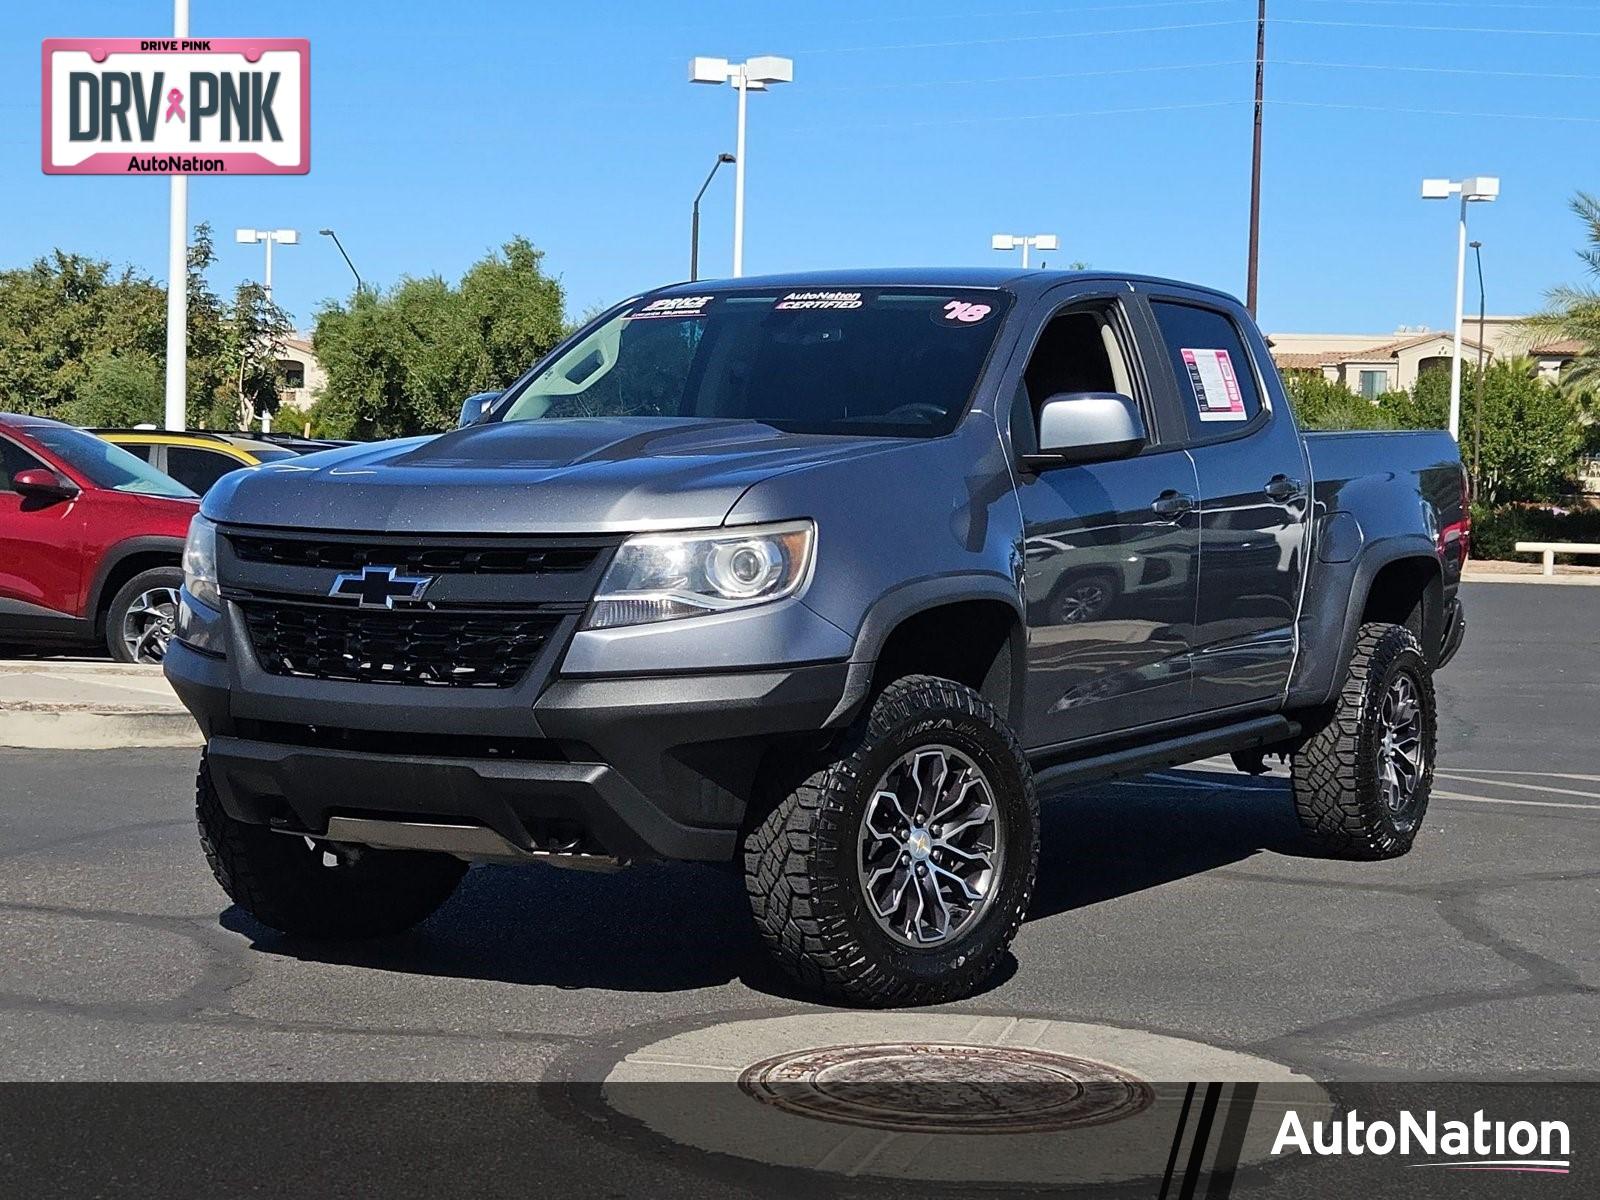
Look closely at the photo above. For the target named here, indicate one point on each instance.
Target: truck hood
(590, 475)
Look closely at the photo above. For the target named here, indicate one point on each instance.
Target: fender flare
(1318, 675)
(906, 600)
(119, 553)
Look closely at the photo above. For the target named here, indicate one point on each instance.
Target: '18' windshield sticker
(815, 300)
(962, 312)
(1216, 387)
(673, 306)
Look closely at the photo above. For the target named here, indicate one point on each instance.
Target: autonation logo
(1476, 1145)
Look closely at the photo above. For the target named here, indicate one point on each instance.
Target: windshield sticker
(815, 300)
(962, 312)
(673, 306)
(1216, 387)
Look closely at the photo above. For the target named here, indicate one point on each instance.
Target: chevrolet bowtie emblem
(379, 587)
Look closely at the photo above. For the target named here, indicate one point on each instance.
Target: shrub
(1497, 530)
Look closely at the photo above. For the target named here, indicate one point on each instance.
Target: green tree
(1426, 405)
(1321, 403)
(256, 329)
(1532, 434)
(400, 362)
(1574, 310)
(118, 390)
(63, 313)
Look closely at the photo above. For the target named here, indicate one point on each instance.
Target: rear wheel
(319, 889)
(142, 616)
(900, 869)
(1361, 780)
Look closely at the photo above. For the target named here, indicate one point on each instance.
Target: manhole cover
(930, 1087)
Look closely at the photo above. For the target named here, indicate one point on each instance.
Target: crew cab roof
(1024, 283)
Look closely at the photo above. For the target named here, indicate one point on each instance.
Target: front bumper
(643, 767)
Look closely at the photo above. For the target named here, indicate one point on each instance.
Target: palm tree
(1574, 311)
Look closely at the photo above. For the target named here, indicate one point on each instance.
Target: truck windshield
(892, 362)
(105, 465)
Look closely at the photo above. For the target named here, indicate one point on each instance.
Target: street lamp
(694, 220)
(1478, 188)
(1477, 403)
(754, 75)
(331, 234)
(284, 237)
(1039, 241)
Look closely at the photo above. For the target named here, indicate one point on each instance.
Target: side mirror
(1081, 427)
(39, 483)
(473, 408)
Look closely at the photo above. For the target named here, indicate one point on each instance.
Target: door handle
(1281, 487)
(1172, 504)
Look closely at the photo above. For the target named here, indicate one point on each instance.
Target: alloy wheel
(929, 851)
(147, 625)
(1400, 758)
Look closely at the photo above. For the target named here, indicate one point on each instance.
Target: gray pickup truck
(826, 576)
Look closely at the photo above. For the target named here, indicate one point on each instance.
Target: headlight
(200, 562)
(660, 577)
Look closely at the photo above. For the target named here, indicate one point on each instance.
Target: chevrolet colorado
(826, 575)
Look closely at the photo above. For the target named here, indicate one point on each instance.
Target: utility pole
(176, 413)
(1255, 160)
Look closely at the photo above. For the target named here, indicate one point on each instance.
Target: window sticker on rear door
(1216, 387)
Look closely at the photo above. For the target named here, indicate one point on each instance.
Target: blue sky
(914, 130)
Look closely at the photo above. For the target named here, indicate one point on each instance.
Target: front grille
(434, 648)
(482, 559)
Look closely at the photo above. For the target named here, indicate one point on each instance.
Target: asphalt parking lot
(1179, 905)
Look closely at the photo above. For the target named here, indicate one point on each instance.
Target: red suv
(91, 542)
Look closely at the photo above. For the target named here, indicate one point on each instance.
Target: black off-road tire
(1336, 782)
(800, 863)
(285, 883)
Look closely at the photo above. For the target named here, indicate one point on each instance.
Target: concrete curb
(34, 726)
(1559, 580)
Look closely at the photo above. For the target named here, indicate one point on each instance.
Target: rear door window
(198, 469)
(1216, 382)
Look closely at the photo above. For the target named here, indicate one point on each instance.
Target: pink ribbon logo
(175, 105)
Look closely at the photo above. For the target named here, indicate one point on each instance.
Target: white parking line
(1531, 787)
(1519, 803)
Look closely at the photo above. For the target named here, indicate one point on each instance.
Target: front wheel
(142, 616)
(900, 869)
(1361, 780)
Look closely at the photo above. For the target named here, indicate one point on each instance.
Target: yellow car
(194, 459)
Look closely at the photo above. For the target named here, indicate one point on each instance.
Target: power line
(1439, 28)
(1098, 71)
(1461, 4)
(1025, 37)
(1017, 12)
(1048, 116)
(1293, 62)
(1441, 112)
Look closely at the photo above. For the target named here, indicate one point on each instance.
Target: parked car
(790, 572)
(197, 460)
(91, 543)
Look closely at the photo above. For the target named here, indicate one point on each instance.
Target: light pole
(756, 74)
(1477, 402)
(1477, 188)
(694, 218)
(178, 272)
(1038, 241)
(284, 237)
(331, 234)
